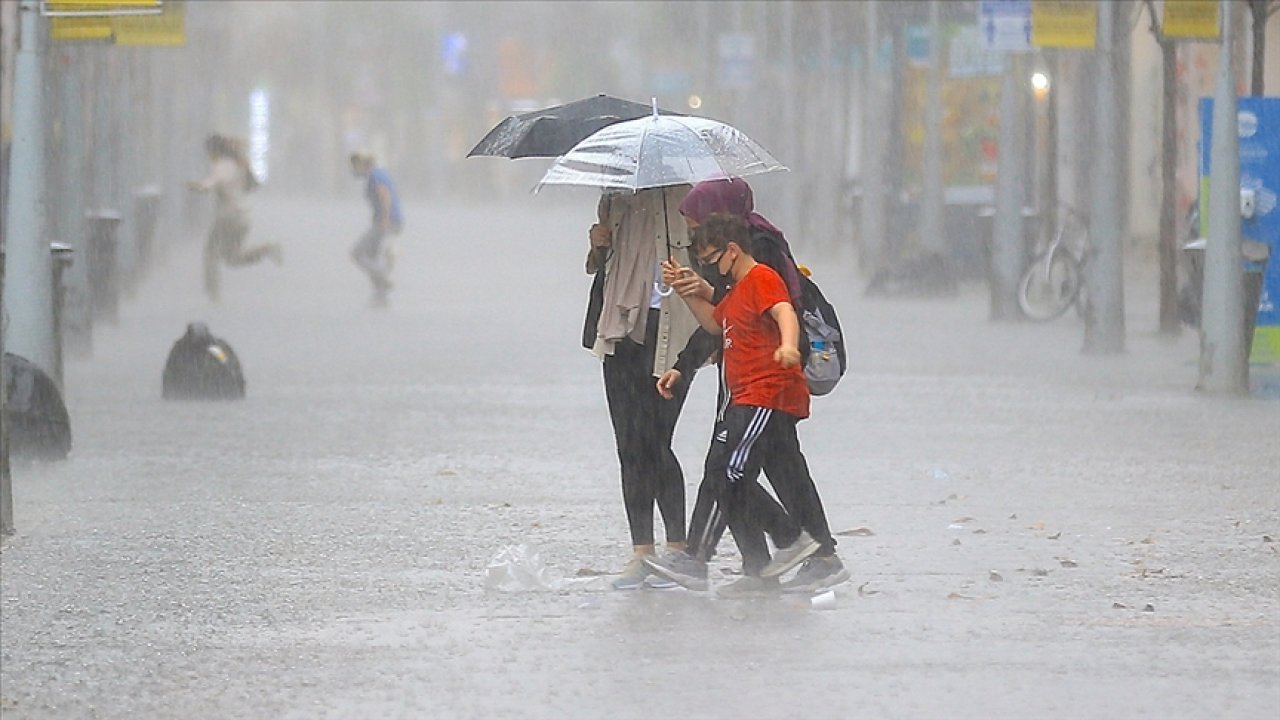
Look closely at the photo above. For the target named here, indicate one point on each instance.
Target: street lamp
(1040, 85)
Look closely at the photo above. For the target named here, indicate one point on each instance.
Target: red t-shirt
(750, 337)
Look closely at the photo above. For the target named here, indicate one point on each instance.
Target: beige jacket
(642, 237)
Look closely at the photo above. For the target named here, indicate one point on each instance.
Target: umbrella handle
(662, 289)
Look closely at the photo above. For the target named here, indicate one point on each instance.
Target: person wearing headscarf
(707, 522)
(230, 178)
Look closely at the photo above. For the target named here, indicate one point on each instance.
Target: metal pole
(28, 290)
(1008, 246)
(1223, 365)
(1104, 312)
(871, 216)
(1168, 251)
(8, 14)
(932, 235)
(790, 106)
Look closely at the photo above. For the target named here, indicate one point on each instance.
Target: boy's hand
(669, 380)
(601, 236)
(686, 282)
(786, 356)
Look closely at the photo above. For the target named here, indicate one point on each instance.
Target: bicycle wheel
(1049, 286)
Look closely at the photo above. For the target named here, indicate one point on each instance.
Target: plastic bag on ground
(517, 568)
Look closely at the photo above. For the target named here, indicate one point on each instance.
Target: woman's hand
(787, 356)
(601, 236)
(669, 380)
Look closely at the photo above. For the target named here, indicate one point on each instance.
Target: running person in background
(229, 178)
(372, 252)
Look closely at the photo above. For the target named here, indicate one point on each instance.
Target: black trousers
(643, 426)
(746, 436)
(707, 523)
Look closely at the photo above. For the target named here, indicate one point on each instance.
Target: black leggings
(643, 425)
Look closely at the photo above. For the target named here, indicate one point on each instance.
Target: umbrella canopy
(552, 131)
(657, 151)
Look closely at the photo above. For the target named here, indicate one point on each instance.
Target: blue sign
(1258, 127)
(453, 53)
(1005, 24)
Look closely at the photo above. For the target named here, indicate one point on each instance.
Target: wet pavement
(1035, 533)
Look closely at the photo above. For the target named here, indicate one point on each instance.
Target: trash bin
(1256, 255)
(104, 284)
(62, 255)
(985, 225)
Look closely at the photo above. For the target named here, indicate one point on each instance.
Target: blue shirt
(379, 177)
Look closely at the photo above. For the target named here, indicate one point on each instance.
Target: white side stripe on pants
(738, 459)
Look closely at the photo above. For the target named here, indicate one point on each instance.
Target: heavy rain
(337, 337)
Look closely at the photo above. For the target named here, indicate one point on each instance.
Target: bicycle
(1052, 282)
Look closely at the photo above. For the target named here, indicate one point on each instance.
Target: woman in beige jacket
(640, 329)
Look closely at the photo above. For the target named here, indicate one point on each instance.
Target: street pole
(871, 215)
(790, 106)
(28, 291)
(1104, 275)
(1169, 322)
(1007, 244)
(932, 236)
(1223, 365)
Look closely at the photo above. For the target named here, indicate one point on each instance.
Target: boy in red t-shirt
(769, 395)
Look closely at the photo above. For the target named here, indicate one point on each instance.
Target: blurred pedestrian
(374, 252)
(636, 327)
(230, 178)
(708, 520)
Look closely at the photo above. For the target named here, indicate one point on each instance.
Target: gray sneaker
(681, 567)
(657, 582)
(790, 556)
(817, 574)
(633, 575)
(749, 586)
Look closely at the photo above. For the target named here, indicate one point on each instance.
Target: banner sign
(1005, 24)
(1191, 19)
(1064, 23)
(1258, 127)
(119, 22)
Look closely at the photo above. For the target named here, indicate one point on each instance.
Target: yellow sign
(166, 29)
(99, 5)
(1192, 19)
(80, 28)
(1064, 23)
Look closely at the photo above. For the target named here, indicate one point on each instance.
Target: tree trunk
(1257, 78)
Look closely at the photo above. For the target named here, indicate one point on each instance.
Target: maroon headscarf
(733, 196)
